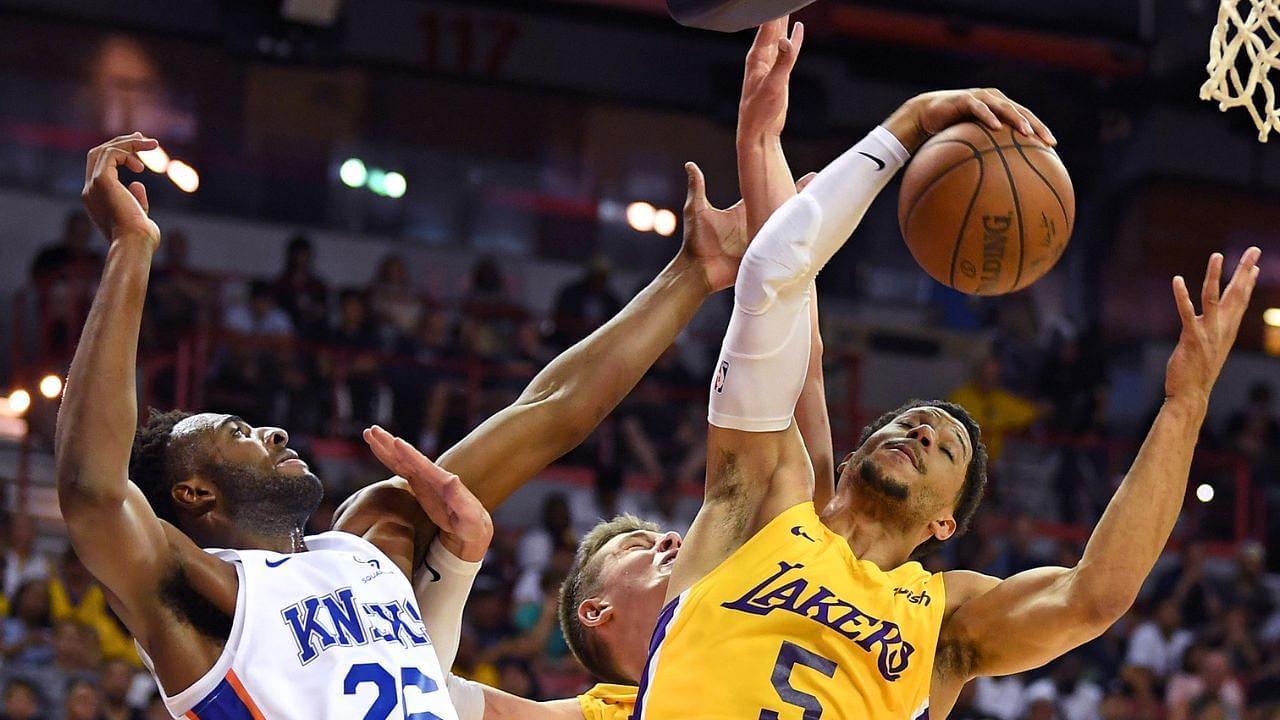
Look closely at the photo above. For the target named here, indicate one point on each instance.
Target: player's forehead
(949, 423)
(202, 423)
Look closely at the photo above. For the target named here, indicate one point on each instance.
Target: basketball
(986, 212)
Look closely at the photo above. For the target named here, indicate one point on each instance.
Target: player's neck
(869, 538)
(287, 542)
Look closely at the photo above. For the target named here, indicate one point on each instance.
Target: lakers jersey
(333, 633)
(792, 626)
(608, 702)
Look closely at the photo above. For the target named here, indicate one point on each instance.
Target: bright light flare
(51, 386)
(19, 401)
(184, 176)
(157, 161)
(353, 173)
(394, 185)
(641, 216)
(1204, 493)
(1271, 316)
(664, 222)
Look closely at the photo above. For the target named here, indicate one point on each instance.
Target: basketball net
(1257, 34)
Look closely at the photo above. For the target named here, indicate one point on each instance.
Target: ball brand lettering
(995, 236)
(793, 594)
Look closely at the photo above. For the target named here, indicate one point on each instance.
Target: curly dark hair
(975, 478)
(152, 464)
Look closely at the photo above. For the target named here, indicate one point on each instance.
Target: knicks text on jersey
(331, 633)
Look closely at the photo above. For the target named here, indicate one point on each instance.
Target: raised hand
(716, 239)
(119, 212)
(929, 114)
(1207, 338)
(465, 526)
(762, 110)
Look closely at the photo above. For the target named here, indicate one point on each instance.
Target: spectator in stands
(538, 545)
(261, 316)
(22, 701)
(27, 637)
(75, 595)
(419, 378)
(175, 295)
(487, 284)
(1187, 585)
(75, 656)
(1254, 430)
(84, 701)
(490, 313)
(1069, 693)
(1190, 695)
(584, 304)
(999, 411)
(302, 294)
(659, 428)
(1157, 645)
(117, 681)
(1248, 586)
(64, 275)
(22, 562)
(1235, 637)
(397, 305)
(358, 345)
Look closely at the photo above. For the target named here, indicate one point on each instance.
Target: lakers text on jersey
(792, 626)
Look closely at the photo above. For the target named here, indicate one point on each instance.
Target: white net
(1236, 81)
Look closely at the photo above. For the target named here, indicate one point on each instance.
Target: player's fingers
(1182, 299)
(1041, 129)
(1007, 110)
(1211, 290)
(1244, 277)
(803, 182)
(696, 198)
(379, 442)
(140, 194)
(981, 111)
(421, 464)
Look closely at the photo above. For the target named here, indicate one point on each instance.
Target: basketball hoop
(1258, 35)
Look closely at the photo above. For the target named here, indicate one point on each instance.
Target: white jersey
(330, 633)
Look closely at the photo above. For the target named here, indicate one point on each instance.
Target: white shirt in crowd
(1082, 704)
(1149, 648)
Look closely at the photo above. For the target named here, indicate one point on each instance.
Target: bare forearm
(765, 178)
(1137, 523)
(99, 411)
(813, 419)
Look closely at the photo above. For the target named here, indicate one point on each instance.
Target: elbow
(1101, 605)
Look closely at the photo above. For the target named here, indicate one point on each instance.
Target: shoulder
(965, 585)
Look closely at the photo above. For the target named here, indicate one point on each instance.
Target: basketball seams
(1056, 196)
(973, 200)
(911, 206)
(1017, 203)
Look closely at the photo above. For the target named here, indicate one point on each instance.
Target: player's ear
(943, 528)
(194, 495)
(594, 612)
(843, 464)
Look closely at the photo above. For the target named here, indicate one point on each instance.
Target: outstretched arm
(569, 398)
(765, 179)
(756, 462)
(113, 529)
(1035, 616)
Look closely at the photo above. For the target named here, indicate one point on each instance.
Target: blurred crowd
(287, 348)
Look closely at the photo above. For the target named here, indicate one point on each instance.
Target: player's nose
(274, 436)
(669, 541)
(923, 434)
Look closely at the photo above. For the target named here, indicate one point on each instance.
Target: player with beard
(211, 480)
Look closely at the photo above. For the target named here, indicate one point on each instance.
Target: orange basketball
(986, 212)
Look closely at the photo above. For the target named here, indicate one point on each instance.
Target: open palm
(1207, 338)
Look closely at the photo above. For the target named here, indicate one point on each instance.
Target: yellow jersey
(608, 702)
(792, 626)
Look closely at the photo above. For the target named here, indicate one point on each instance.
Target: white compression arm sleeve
(467, 697)
(442, 588)
(765, 354)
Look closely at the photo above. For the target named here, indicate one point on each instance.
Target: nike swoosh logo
(798, 531)
(435, 574)
(279, 562)
(879, 163)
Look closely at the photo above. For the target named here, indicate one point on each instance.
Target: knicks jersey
(330, 633)
(792, 626)
(608, 702)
